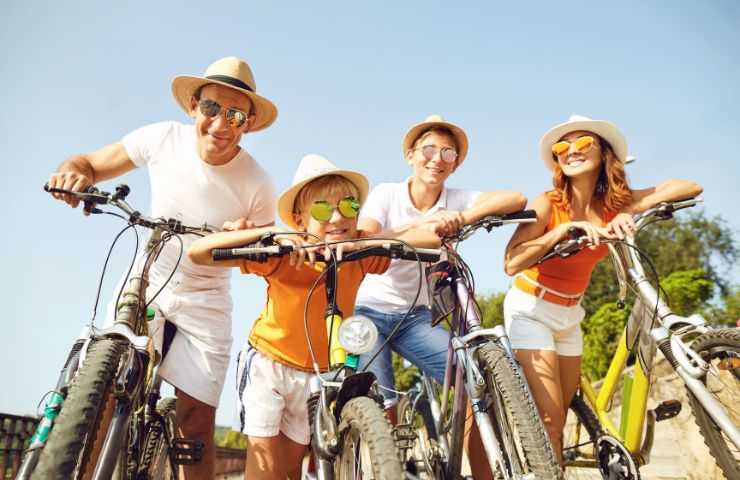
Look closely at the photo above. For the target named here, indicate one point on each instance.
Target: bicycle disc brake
(615, 461)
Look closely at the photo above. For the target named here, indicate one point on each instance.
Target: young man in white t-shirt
(200, 175)
(434, 149)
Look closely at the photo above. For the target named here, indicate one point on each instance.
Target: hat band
(231, 81)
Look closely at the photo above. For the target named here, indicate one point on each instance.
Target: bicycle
(706, 359)
(350, 434)
(480, 366)
(104, 418)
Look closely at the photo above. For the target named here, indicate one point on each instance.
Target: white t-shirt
(188, 189)
(390, 205)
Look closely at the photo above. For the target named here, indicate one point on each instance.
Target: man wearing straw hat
(199, 174)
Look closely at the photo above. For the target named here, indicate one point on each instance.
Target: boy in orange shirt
(275, 366)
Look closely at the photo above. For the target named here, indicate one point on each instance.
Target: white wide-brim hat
(433, 121)
(230, 72)
(602, 128)
(312, 167)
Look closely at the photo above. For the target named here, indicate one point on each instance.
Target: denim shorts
(416, 341)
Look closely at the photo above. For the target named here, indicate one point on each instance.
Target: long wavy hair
(612, 189)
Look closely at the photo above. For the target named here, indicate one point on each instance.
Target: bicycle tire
(368, 450)
(515, 418)
(67, 451)
(155, 462)
(427, 437)
(712, 346)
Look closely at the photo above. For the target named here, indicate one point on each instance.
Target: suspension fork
(469, 381)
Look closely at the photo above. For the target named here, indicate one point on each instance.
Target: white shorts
(272, 397)
(536, 324)
(199, 355)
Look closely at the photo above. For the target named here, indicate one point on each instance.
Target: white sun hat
(313, 166)
(602, 128)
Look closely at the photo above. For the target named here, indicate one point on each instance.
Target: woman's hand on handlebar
(622, 225)
(593, 233)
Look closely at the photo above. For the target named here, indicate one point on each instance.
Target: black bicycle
(104, 418)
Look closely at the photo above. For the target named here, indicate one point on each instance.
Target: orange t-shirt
(568, 275)
(279, 332)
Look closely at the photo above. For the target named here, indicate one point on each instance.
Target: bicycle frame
(331, 390)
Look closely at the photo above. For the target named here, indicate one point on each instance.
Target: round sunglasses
(447, 154)
(322, 210)
(211, 109)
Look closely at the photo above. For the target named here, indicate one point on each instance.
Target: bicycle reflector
(357, 334)
(441, 292)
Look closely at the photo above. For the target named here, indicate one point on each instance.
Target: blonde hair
(612, 188)
(325, 186)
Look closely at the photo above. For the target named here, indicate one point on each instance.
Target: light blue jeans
(416, 341)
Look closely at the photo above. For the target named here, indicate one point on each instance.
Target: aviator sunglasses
(211, 109)
(582, 144)
(322, 210)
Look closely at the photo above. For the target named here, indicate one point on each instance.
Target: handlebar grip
(522, 215)
(253, 254)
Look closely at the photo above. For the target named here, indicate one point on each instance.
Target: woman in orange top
(542, 309)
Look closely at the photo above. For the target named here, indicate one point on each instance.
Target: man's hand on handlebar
(238, 224)
(444, 222)
(73, 181)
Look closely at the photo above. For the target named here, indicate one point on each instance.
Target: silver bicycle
(104, 419)
(481, 367)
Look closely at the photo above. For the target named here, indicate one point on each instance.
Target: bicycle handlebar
(93, 196)
(492, 221)
(663, 211)
(392, 250)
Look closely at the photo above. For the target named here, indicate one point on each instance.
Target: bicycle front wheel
(721, 349)
(368, 450)
(70, 450)
(155, 462)
(516, 422)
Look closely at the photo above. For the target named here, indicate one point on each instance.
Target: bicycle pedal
(186, 452)
(667, 409)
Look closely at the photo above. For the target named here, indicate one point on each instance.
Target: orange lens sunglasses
(583, 144)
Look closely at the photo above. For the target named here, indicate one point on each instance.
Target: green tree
(602, 332)
(492, 308)
(688, 291)
(691, 241)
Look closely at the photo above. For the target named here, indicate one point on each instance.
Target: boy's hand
(443, 223)
(301, 249)
(238, 224)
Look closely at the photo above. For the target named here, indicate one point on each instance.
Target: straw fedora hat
(437, 121)
(602, 128)
(230, 72)
(312, 167)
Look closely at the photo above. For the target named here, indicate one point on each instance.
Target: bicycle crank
(615, 461)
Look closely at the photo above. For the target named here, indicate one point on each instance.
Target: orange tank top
(568, 275)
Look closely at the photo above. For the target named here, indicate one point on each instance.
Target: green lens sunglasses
(322, 210)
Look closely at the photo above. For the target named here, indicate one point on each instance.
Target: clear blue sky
(348, 78)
